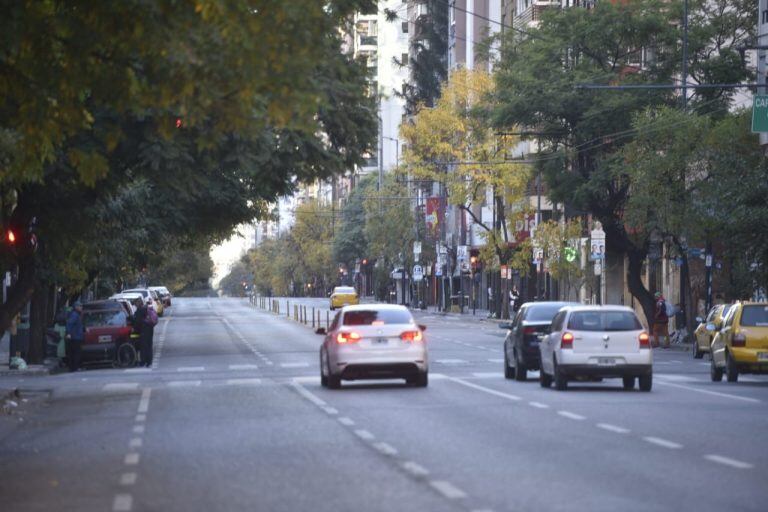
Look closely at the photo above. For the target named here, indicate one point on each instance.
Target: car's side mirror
(699, 319)
(505, 325)
(321, 330)
(711, 327)
(422, 327)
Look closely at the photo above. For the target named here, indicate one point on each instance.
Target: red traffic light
(365, 261)
(179, 123)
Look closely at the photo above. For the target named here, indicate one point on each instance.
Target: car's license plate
(762, 356)
(105, 339)
(606, 361)
(380, 341)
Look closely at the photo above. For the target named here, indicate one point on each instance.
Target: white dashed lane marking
(191, 369)
(538, 405)
(346, 421)
(729, 462)
(243, 382)
(121, 386)
(364, 434)
(184, 383)
(237, 367)
(128, 479)
(447, 489)
(294, 365)
(131, 459)
(415, 469)
(663, 443)
(122, 503)
(613, 428)
(571, 415)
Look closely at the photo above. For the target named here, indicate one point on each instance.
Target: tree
(239, 279)
(243, 101)
(538, 83)
(350, 242)
(313, 235)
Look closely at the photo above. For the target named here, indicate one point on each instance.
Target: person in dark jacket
(75, 334)
(144, 330)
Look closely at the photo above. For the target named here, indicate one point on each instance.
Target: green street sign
(760, 114)
(570, 254)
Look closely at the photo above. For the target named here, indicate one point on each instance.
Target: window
(378, 317)
(557, 322)
(754, 316)
(542, 313)
(107, 317)
(604, 321)
(729, 318)
(404, 59)
(335, 322)
(405, 27)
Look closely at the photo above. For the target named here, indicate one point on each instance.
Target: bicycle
(126, 355)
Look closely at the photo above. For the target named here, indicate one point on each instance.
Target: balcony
(532, 14)
(368, 40)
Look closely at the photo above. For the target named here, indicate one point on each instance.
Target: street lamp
(397, 148)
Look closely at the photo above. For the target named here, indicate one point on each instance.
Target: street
(232, 417)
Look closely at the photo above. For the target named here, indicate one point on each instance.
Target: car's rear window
(542, 312)
(754, 316)
(344, 289)
(380, 317)
(604, 321)
(107, 317)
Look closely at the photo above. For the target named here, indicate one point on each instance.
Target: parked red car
(106, 329)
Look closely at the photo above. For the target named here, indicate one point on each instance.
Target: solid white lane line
(183, 383)
(484, 389)
(346, 421)
(144, 402)
(364, 434)
(121, 386)
(138, 429)
(243, 382)
(307, 394)
(131, 459)
(613, 428)
(707, 392)
(136, 442)
(663, 443)
(447, 489)
(190, 369)
(385, 448)
(128, 478)
(538, 405)
(243, 367)
(122, 503)
(729, 462)
(415, 469)
(571, 415)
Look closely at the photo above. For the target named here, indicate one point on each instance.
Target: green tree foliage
(238, 281)
(582, 130)
(183, 271)
(350, 242)
(127, 129)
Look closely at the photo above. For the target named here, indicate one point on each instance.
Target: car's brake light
(739, 340)
(411, 336)
(645, 340)
(567, 340)
(529, 330)
(347, 337)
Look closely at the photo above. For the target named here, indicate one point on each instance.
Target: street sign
(570, 254)
(760, 114)
(416, 247)
(418, 273)
(597, 244)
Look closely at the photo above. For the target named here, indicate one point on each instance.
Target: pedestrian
(660, 320)
(514, 298)
(75, 334)
(145, 330)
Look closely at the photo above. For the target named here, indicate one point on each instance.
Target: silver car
(373, 341)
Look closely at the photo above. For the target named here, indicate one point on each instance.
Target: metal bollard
(327, 319)
(313, 317)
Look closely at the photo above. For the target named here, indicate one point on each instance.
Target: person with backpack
(660, 320)
(144, 321)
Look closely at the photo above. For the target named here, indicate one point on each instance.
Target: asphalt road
(232, 417)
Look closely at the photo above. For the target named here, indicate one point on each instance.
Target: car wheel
(561, 381)
(629, 383)
(420, 381)
(125, 357)
(715, 373)
(545, 379)
(697, 352)
(646, 382)
(508, 372)
(334, 381)
(730, 368)
(323, 376)
(521, 374)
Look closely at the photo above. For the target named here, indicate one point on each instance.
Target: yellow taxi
(343, 296)
(741, 346)
(703, 337)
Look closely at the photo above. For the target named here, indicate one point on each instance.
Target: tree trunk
(636, 286)
(18, 294)
(37, 325)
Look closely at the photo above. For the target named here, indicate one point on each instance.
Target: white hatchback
(373, 341)
(589, 342)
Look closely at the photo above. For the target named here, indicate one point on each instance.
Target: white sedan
(373, 341)
(595, 342)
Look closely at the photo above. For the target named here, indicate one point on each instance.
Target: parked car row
(736, 337)
(156, 297)
(572, 342)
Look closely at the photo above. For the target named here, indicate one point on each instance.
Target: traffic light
(364, 262)
(474, 259)
(11, 237)
(179, 122)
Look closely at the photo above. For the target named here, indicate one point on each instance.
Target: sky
(227, 253)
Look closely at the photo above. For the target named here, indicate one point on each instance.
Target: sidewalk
(33, 370)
